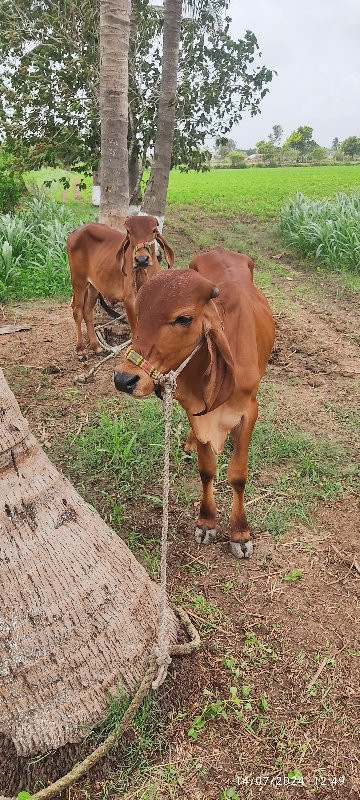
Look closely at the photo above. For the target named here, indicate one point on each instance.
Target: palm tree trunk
(114, 48)
(78, 613)
(156, 190)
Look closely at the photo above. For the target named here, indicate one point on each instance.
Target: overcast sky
(314, 45)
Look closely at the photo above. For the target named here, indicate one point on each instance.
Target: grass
(124, 451)
(33, 259)
(127, 445)
(148, 742)
(71, 196)
(254, 192)
(207, 615)
(327, 229)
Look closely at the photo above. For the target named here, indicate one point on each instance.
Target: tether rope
(160, 658)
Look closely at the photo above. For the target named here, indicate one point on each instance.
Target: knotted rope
(168, 381)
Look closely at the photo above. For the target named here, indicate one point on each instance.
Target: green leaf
(264, 704)
(295, 774)
(294, 575)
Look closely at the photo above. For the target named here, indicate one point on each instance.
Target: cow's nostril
(125, 382)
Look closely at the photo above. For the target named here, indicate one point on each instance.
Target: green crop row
(328, 229)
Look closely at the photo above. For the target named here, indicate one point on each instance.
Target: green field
(253, 192)
(257, 192)
(71, 196)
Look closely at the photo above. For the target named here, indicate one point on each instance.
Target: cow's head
(137, 251)
(175, 312)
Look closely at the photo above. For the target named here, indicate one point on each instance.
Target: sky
(314, 45)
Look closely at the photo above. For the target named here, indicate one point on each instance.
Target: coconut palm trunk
(114, 49)
(155, 195)
(78, 613)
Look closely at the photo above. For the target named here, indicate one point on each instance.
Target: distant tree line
(299, 148)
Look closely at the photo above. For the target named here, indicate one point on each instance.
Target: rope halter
(143, 246)
(164, 379)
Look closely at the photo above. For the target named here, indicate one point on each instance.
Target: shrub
(33, 259)
(329, 229)
(12, 188)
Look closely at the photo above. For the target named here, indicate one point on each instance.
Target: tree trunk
(134, 183)
(156, 190)
(133, 149)
(78, 613)
(114, 48)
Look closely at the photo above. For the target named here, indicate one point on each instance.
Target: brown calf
(105, 262)
(214, 302)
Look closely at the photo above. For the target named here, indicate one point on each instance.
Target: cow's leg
(190, 444)
(78, 311)
(129, 305)
(240, 538)
(89, 305)
(205, 530)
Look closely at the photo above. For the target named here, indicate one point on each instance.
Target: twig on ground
(207, 622)
(318, 672)
(84, 377)
(354, 563)
(120, 321)
(259, 497)
(322, 665)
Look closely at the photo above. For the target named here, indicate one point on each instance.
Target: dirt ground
(296, 644)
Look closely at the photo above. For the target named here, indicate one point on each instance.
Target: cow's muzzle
(124, 382)
(141, 262)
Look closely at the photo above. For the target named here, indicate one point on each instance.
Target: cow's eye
(184, 321)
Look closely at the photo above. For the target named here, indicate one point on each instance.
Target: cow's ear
(218, 380)
(169, 253)
(120, 255)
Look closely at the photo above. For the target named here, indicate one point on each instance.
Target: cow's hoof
(242, 549)
(205, 535)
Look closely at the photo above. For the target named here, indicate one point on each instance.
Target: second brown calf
(107, 262)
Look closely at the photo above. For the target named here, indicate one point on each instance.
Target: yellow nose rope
(159, 377)
(139, 361)
(144, 246)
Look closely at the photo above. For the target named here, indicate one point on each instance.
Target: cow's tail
(109, 309)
